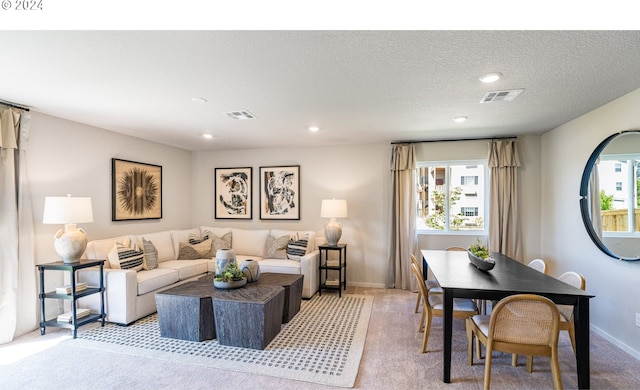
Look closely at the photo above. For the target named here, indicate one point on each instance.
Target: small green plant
(479, 249)
(231, 273)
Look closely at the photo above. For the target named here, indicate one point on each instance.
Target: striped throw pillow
(195, 239)
(126, 255)
(297, 248)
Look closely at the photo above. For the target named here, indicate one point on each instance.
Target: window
(469, 211)
(451, 197)
(469, 180)
(619, 177)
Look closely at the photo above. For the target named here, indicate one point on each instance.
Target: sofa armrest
(121, 290)
(309, 268)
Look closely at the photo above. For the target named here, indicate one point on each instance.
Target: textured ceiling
(357, 86)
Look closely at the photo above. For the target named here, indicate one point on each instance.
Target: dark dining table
(460, 279)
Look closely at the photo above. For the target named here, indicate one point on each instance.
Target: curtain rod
(452, 140)
(14, 105)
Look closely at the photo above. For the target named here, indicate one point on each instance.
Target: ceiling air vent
(244, 114)
(506, 95)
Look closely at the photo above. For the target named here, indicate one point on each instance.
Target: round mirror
(609, 195)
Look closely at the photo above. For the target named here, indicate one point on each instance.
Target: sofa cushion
(126, 254)
(296, 235)
(163, 243)
(156, 278)
(99, 249)
(201, 250)
(276, 248)
(186, 269)
(150, 257)
(249, 242)
(280, 266)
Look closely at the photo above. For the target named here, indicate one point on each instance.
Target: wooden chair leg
(468, 325)
(514, 360)
(418, 302)
(427, 328)
(555, 369)
(530, 364)
(487, 368)
(422, 318)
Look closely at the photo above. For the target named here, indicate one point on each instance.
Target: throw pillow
(276, 248)
(223, 242)
(126, 255)
(297, 248)
(195, 239)
(201, 250)
(150, 258)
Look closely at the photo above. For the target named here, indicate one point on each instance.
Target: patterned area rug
(322, 344)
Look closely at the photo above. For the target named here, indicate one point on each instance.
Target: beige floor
(391, 360)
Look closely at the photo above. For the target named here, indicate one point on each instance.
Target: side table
(339, 265)
(73, 296)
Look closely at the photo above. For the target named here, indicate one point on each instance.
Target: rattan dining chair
(528, 324)
(434, 289)
(433, 306)
(566, 311)
(538, 265)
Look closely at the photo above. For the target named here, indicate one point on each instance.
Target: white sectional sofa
(130, 293)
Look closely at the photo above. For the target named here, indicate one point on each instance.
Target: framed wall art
(280, 192)
(233, 193)
(136, 190)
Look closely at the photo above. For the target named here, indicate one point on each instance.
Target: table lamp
(71, 242)
(333, 208)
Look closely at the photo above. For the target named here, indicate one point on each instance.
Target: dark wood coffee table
(248, 317)
(186, 312)
(292, 291)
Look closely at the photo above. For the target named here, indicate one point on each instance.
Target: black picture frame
(136, 190)
(233, 193)
(280, 192)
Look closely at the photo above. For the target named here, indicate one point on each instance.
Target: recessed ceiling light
(313, 129)
(491, 77)
(199, 100)
(207, 136)
(460, 119)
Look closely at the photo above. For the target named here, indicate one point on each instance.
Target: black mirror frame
(584, 191)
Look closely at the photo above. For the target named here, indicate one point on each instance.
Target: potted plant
(479, 256)
(231, 277)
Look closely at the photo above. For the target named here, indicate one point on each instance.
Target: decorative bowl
(480, 263)
(230, 285)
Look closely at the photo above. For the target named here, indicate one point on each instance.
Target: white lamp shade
(333, 208)
(65, 209)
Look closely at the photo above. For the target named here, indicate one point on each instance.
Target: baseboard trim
(616, 342)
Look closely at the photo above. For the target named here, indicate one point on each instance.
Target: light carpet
(322, 344)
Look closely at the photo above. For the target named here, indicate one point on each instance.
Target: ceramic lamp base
(70, 243)
(333, 232)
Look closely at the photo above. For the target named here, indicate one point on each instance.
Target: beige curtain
(504, 208)
(403, 217)
(18, 294)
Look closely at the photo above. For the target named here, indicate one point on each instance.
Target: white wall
(65, 157)
(358, 173)
(565, 242)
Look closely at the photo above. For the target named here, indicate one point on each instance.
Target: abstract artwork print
(280, 192)
(233, 195)
(136, 190)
